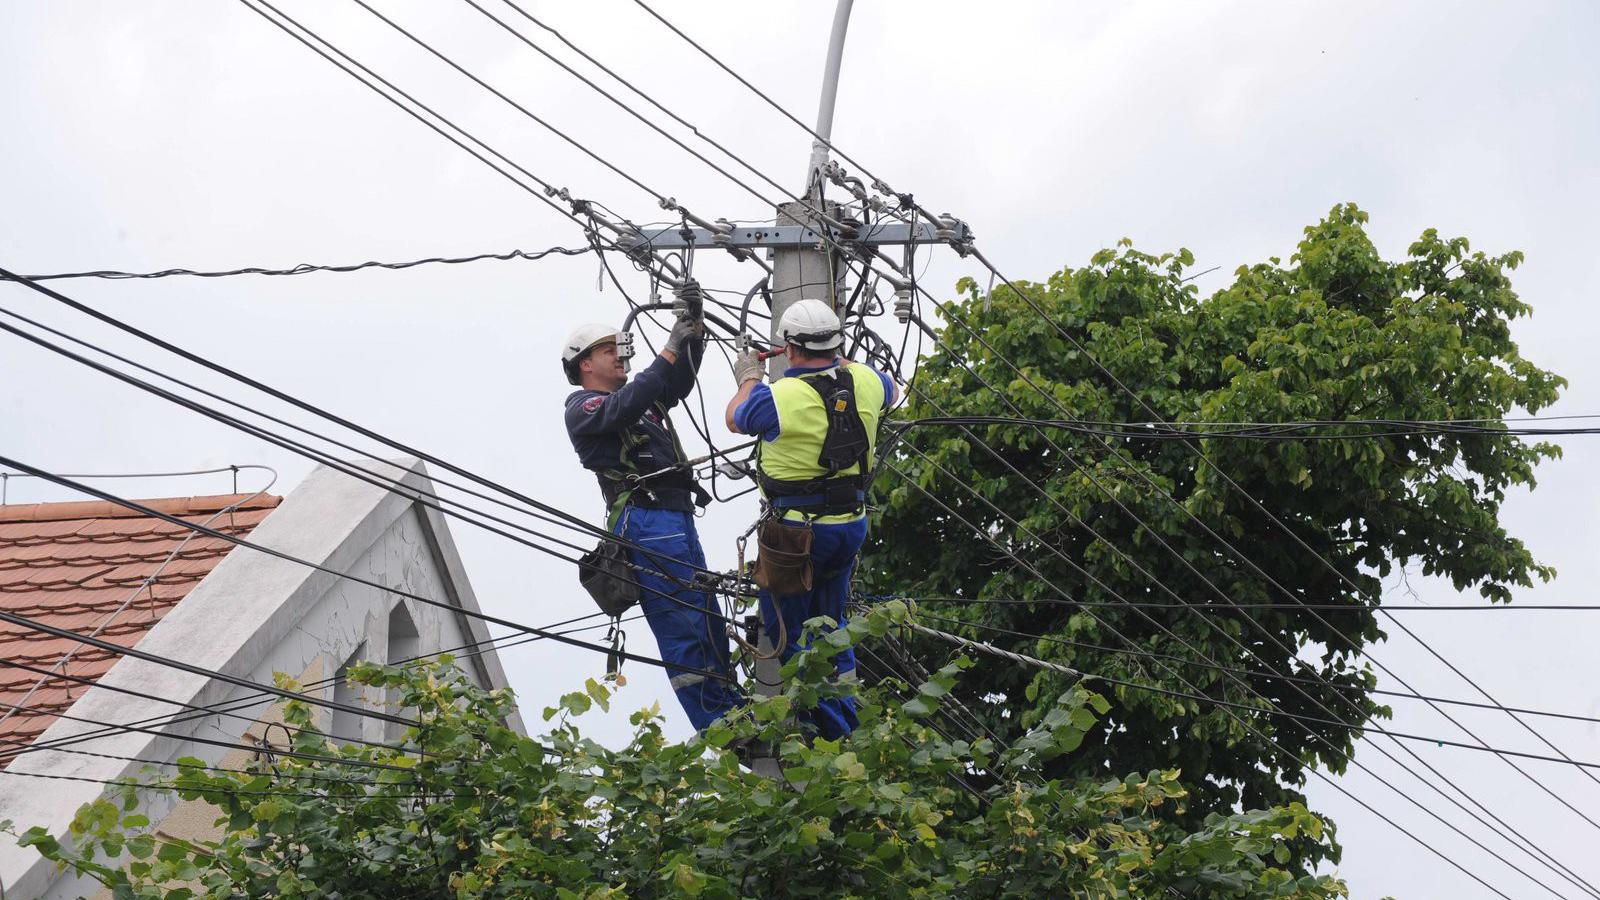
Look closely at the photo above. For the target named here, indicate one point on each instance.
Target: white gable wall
(254, 616)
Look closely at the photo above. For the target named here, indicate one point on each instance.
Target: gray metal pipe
(830, 91)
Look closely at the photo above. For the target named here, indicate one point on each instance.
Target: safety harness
(846, 444)
(664, 487)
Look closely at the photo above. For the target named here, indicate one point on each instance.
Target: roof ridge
(104, 509)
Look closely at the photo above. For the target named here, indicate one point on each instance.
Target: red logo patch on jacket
(593, 403)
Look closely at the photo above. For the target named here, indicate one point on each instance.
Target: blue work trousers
(685, 620)
(833, 561)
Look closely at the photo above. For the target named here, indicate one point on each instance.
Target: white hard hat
(811, 324)
(583, 339)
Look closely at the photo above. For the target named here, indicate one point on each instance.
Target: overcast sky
(162, 134)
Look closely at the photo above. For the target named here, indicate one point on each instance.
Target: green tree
(476, 810)
(1337, 333)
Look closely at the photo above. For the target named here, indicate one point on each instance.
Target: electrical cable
(905, 199)
(1281, 607)
(1195, 451)
(568, 519)
(1151, 654)
(1338, 749)
(1232, 639)
(549, 190)
(665, 201)
(307, 268)
(1140, 568)
(1309, 731)
(239, 792)
(1282, 432)
(982, 259)
(757, 91)
(630, 110)
(1229, 710)
(231, 708)
(368, 476)
(1111, 496)
(24, 622)
(66, 657)
(232, 745)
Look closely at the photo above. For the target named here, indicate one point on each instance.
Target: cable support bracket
(855, 239)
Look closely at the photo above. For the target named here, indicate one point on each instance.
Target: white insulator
(902, 305)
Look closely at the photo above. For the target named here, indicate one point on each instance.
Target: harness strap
(845, 444)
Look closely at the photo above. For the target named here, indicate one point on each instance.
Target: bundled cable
(307, 268)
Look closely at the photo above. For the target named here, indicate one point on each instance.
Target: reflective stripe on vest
(803, 423)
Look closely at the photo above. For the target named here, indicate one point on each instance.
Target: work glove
(748, 367)
(683, 330)
(691, 304)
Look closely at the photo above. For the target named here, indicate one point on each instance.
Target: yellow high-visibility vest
(803, 424)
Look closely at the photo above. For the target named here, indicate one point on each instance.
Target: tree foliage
(1337, 333)
(473, 809)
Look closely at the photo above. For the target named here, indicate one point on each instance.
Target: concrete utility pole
(806, 262)
(812, 271)
(798, 272)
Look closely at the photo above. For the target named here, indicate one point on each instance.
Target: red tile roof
(72, 565)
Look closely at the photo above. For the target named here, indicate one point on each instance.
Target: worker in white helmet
(621, 432)
(817, 427)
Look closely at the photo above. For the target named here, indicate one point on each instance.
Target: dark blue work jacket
(626, 433)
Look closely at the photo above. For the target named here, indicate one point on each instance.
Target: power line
(1270, 707)
(1203, 698)
(234, 745)
(256, 748)
(288, 557)
(240, 792)
(371, 477)
(905, 199)
(349, 67)
(1161, 585)
(758, 92)
(1138, 472)
(308, 268)
(105, 623)
(231, 708)
(63, 745)
(665, 201)
(1314, 735)
(565, 519)
(1286, 431)
(1253, 673)
(822, 214)
(5, 477)
(1281, 526)
(1227, 709)
(1281, 607)
(785, 112)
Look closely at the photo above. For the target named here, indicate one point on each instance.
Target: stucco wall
(255, 616)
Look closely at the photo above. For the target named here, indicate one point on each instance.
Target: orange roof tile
(73, 565)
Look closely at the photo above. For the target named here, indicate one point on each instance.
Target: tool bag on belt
(608, 576)
(783, 563)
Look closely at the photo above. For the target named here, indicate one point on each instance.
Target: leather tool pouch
(606, 574)
(783, 563)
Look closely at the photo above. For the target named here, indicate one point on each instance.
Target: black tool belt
(836, 496)
(676, 491)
